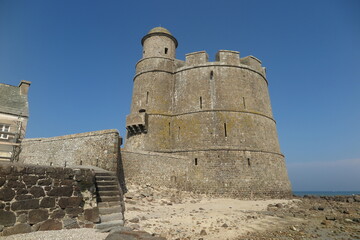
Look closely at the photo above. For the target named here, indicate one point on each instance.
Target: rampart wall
(99, 149)
(39, 198)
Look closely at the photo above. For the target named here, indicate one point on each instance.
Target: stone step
(106, 183)
(108, 188)
(111, 217)
(110, 210)
(108, 204)
(101, 178)
(109, 199)
(109, 224)
(108, 193)
(105, 174)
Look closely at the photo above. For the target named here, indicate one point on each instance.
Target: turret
(159, 43)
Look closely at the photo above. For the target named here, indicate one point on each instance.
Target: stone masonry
(38, 198)
(216, 114)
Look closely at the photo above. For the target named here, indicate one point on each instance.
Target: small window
(179, 134)
(4, 128)
(169, 128)
(196, 162)
(142, 110)
(166, 50)
(211, 75)
(244, 102)
(147, 97)
(248, 161)
(225, 131)
(200, 102)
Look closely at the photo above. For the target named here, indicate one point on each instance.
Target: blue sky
(80, 57)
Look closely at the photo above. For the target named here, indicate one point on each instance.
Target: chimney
(24, 87)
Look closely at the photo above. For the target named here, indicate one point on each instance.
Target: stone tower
(203, 126)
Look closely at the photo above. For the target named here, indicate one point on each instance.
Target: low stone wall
(38, 198)
(99, 149)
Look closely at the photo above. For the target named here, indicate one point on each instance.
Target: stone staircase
(110, 200)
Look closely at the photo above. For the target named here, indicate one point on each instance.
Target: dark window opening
(211, 75)
(179, 133)
(196, 162)
(147, 97)
(248, 161)
(166, 50)
(142, 110)
(169, 128)
(200, 102)
(244, 102)
(225, 131)
(80, 162)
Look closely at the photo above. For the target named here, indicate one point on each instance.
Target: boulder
(7, 218)
(50, 224)
(38, 215)
(7, 194)
(17, 229)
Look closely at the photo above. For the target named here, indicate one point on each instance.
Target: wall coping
(71, 136)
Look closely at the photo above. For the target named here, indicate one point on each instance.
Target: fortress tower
(202, 126)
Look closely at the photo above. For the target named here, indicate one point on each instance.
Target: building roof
(12, 101)
(159, 30)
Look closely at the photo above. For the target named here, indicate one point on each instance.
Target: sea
(326, 193)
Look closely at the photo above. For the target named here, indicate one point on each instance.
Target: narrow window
(65, 164)
(166, 50)
(80, 162)
(195, 162)
(225, 130)
(248, 160)
(211, 75)
(244, 102)
(200, 102)
(179, 134)
(147, 97)
(169, 128)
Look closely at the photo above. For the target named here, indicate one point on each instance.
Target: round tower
(152, 93)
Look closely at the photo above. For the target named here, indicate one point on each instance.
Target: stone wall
(240, 174)
(99, 149)
(38, 198)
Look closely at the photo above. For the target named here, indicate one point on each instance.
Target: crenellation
(253, 62)
(196, 58)
(228, 57)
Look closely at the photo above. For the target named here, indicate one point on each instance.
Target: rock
(73, 212)
(7, 219)
(130, 235)
(35, 227)
(331, 218)
(2, 181)
(92, 215)
(356, 198)
(224, 225)
(22, 218)
(57, 214)
(30, 180)
(134, 226)
(38, 215)
(15, 184)
(203, 233)
(129, 195)
(279, 205)
(321, 208)
(293, 228)
(17, 229)
(7, 194)
(45, 182)
(350, 200)
(134, 220)
(70, 202)
(50, 224)
(25, 204)
(70, 223)
(347, 220)
(1, 228)
(37, 191)
(47, 202)
(61, 191)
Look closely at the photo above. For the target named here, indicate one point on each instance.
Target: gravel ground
(75, 234)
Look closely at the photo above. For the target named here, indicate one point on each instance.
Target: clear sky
(80, 57)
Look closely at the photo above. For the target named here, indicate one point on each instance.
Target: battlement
(226, 57)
